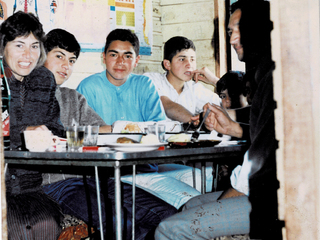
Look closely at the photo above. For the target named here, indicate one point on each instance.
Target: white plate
(106, 138)
(135, 147)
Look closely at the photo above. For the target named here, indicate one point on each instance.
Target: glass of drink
(75, 137)
(159, 130)
(91, 136)
(162, 132)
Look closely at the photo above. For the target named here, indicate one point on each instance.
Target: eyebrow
(19, 41)
(114, 51)
(185, 56)
(62, 53)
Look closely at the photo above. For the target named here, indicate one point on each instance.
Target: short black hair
(59, 38)
(175, 45)
(22, 24)
(123, 35)
(234, 83)
(255, 27)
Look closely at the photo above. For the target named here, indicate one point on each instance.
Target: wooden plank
(175, 2)
(296, 81)
(198, 12)
(194, 31)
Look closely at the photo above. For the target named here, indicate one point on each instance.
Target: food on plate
(180, 137)
(125, 140)
(149, 139)
(131, 128)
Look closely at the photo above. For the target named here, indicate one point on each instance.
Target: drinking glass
(159, 130)
(75, 137)
(91, 136)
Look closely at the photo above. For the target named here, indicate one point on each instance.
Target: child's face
(225, 98)
(60, 62)
(120, 59)
(182, 65)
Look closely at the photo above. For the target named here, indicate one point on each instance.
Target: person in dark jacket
(31, 214)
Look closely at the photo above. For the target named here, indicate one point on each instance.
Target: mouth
(62, 74)
(119, 70)
(24, 64)
(237, 47)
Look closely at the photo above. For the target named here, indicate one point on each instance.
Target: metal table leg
(203, 177)
(118, 200)
(99, 201)
(216, 178)
(194, 176)
(133, 199)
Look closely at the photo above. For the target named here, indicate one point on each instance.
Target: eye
(72, 61)
(128, 56)
(229, 32)
(35, 46)
(222, 96)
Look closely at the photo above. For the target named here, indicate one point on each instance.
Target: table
(117, 159)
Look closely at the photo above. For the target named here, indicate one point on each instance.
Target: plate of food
(106, 138)
(135, 147)
(183, 140)
(200, 143)
(126, 144)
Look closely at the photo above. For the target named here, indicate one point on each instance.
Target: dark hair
(59, 38)
(123, 35)
(175, 45)
(255, 27)
(22, 24)
(234, 83)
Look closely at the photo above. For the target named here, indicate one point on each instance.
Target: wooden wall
(169, 19)
(296, 51)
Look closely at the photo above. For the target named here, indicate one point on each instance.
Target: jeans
(149, 210)
(205, 217)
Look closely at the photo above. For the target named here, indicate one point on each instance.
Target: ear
(104, 57)
(167, 64)
(137, 60)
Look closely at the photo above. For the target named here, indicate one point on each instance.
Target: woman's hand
(205, 75)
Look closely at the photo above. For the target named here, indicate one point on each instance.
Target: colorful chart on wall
(91, 20)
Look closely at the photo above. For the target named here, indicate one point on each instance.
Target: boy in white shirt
(182, 98)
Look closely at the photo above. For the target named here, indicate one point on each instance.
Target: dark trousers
(72, 196)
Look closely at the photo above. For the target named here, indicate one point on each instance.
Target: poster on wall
(89, 20)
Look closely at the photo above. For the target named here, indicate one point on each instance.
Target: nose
(27, 53)
(65, 64)
(234, 38)
(120, 60)
(188, 62)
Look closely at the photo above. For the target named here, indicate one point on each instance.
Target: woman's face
(22, 55)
